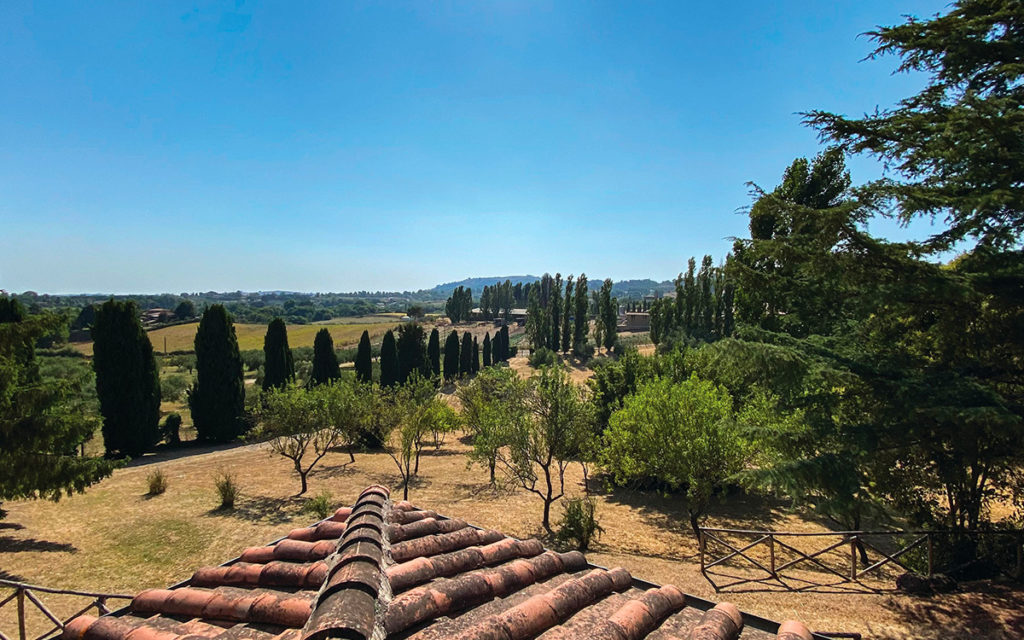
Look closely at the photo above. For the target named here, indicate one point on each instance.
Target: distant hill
(477, 284)
(623, 289)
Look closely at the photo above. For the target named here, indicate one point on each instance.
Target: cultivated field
(115, 539)
(250, 336)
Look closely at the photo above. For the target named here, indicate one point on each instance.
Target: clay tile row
(443, 543)
(638, 618)
(273, 574)
(346, 605)
(793, 630)
(423, 569)
(723, 622)
(399, 516)
(541, 612)
(288, 610)
(341, 515)
(424, 527)
(325, 530)
(441, 597)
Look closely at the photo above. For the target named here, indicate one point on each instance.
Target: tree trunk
(695, 524)
(493, 463)
(302, 477)
(351, 454)
(405, 489)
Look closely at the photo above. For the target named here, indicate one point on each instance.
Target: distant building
(635, 321)
(155, 316)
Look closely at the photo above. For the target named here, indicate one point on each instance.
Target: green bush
(157, 482)
(227, 489)
(543, 357)
(320, 506)
(169, 430)
(172, 387)
(579, 524)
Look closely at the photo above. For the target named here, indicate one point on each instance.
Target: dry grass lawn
(115, 539)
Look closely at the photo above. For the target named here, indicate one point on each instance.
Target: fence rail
(23, 592)
(770, 572)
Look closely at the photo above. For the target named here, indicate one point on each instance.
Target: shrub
(227, 489)
(157, 482)
(579, 524)
(320, 505)
(543, 357)
(169, 430)
(172, 387)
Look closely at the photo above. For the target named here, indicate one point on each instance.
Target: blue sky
(341, 146)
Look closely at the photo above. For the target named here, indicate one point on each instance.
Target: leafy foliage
(217, 400)
(278, 362)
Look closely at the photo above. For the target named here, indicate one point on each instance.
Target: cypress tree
(325, 360)
(487, 349)
(217, 400)
(475, 365)
(127, 380)
(466, 355)
(434, 353)
(555, 309)
(451, 357)
(278, 365)
(364, 359)
(579, 334)
(567, 316)
(389, 366)
(504, 344)
(412, 354)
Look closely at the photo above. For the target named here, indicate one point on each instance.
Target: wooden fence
(29, 593)
(842, 562)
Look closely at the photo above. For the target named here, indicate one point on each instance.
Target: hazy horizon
(346, 147)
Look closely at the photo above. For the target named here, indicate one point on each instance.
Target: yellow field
(250, 336)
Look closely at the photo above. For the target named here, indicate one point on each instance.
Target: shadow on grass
(263, 509)
(166, 453)
(11, 525)
(990, 610)
(13, 577)
(16, 545)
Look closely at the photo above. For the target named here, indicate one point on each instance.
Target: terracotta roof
(386, 570)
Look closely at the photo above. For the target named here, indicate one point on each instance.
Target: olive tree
(493, 402)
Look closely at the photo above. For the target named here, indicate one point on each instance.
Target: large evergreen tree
(390, 368)
(567, 305)
(217, 400)
(127, 380)
(325, 360)
(608, 314)
(412, 354)
(475, 364)
(278, 364)
(487, 349)
(466, 355)
(451, 357)
(364, 359)
(41, 423)
(434, 353)
(581, 306)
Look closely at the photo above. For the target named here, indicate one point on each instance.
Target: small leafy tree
(345, 406)
(294, 422)
(364, 359)
(278, 364)
(325, 360)
(186, 309)
(541, 447)
(491, 403)
(680, 435)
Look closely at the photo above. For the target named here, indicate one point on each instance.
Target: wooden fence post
(21, 614)
(931, 555)
(700, 545)
(771, 552)
(853, 557)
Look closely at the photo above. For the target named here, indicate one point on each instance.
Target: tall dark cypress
(466, 355)
(487, 349)
(434, 353)
(389, 366)
(412, 354)
(451, 357)
(475, 364)
(278, 365)
(580, 309)
(325, 360)
(217, 400)
(364, 359)
(567, 303)
(127, 379)
(504, 344)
